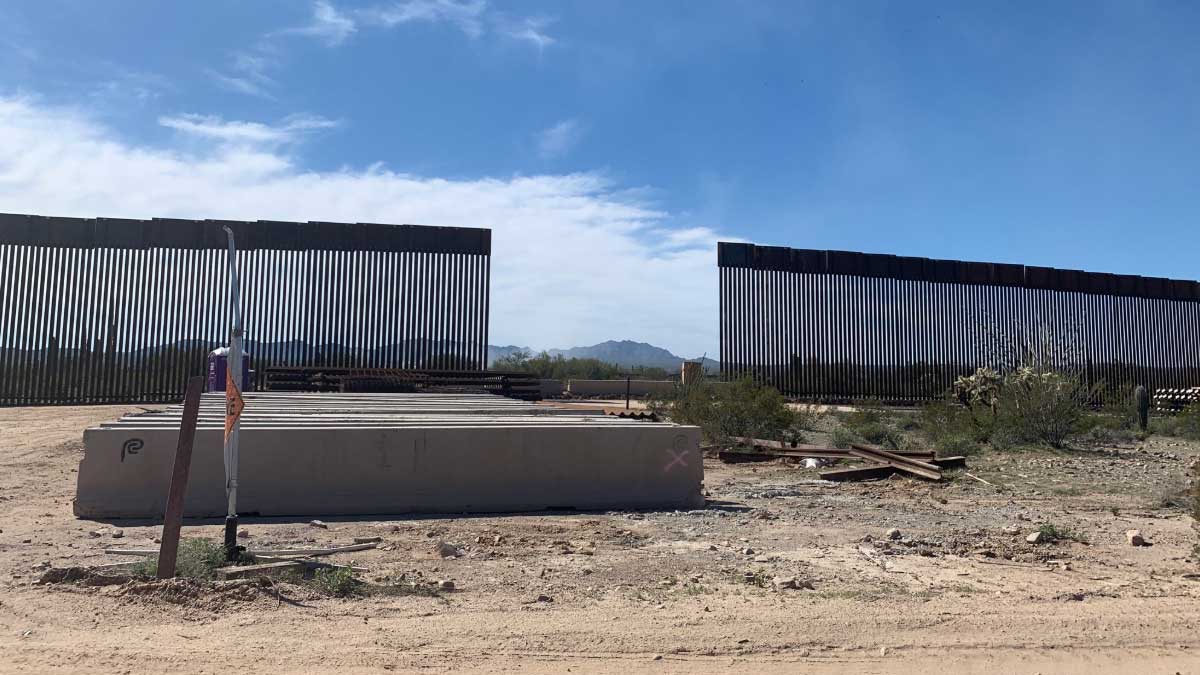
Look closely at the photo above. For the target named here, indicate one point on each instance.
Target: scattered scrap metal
(881, 463)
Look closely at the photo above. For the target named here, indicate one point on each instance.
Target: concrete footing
(314, 454)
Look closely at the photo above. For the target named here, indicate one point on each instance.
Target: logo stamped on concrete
(131, 447)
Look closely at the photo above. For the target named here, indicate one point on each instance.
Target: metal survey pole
(233, 404)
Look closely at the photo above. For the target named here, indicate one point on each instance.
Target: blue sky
(610, 144)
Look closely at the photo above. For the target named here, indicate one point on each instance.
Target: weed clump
(336, 581)
(740, 408)
(197, 559)
(1052, 533)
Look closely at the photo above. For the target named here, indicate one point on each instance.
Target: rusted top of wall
(178, 233)
(903, 268)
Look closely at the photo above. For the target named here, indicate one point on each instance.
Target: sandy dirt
(960, 591)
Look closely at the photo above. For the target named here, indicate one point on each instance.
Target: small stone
(319, 523)
(496, 540)
(883, 651)
(368, 540)
(117, 534)
(544, 598)
(893, 534)
(747, 551)
(1135, 538)
(445, 585)
(658, 657)
(96, 533)
(762, 559)
(790, 583)
(1036, 537)
(243, 534)
(712, 547)
(1012, 529)
(447, 550)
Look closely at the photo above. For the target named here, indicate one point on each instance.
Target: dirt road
(959, 591)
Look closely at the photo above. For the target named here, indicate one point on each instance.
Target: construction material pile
(880, 463)
(313, 454)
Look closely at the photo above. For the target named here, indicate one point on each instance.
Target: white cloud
(576, 260)
(532, 30)
(328, 25)
(213, 127)
(466, 15)
(559, 139)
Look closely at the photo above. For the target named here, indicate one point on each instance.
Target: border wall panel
(113, 310)
(843, 325)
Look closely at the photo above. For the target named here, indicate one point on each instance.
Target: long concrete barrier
(367, 455)
(612, 388)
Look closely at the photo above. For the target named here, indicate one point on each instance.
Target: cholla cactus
(982, 389)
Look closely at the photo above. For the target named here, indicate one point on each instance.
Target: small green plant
(950, 446)
(757, 578)
(871, 424)
(742, 408)
(336, 581)
(1052, 533)
(842, 438)
(1175, 496)
(197, 559)
(949, 420)
(1183, 424)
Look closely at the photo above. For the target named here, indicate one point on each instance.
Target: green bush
(842, 438)
(1185, 423)
(871, 424)
(1038, 405)
(950, 446)
(336, 581)
(947, 419)
(1052, 533)
(197, 559)
(740, 408)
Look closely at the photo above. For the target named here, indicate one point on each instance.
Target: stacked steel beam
(837, 325)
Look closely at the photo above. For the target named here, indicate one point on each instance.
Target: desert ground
(780, 572)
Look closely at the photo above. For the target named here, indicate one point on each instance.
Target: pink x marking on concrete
(679, 458)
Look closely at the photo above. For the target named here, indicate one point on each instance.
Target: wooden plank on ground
(263, 569)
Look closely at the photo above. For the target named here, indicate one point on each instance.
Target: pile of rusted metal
(879, 462)
(522, 386)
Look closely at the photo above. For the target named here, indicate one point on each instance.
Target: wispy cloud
(530, 29)
(213, 127)
(559, 139)
(249, 71)
(61, 162)
(328, 24)
(467, 16)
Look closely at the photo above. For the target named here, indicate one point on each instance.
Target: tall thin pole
(233, 403)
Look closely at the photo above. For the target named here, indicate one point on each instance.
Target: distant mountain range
(624, 353)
